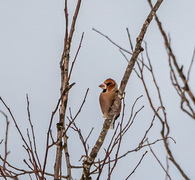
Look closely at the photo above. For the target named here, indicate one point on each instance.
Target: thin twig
(6, 137)
(193, 56)
(32, 130)
(129, 37)
(73, 119)
(76, 56)
(112, 41)
(158, 160)
(137, 165)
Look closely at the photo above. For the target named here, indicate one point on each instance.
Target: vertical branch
(73, 62)
(74, 20)
(32, 131)
(66, 18)
(64, 66)
(6, 137)
(189, 70)
(48, 133)
(129, 37)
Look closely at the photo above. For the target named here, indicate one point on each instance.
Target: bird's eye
(108, 84)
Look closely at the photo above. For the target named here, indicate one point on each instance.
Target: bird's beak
(103, 86)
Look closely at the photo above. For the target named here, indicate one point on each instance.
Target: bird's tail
(113, 121)
(112, 124)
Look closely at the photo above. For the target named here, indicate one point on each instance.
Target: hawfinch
(107, 98)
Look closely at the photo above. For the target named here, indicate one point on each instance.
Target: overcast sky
(31, 44)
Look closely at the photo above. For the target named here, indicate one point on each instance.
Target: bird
(107, 98)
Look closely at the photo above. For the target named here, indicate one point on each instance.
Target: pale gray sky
(31, 43)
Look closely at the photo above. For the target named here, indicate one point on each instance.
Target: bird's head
(108, 85)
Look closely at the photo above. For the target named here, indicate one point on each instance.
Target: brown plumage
(107, 98)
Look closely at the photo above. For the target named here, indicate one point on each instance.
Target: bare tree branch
(65, 77)
(6, 137)
(137, 165)
(129, 37)
(159, 161)
(89, 161)
(112, 41)
(179, 69)
(32, 130)
(189, 70)
(165, 127)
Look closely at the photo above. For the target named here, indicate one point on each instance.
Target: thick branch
(89, 161)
